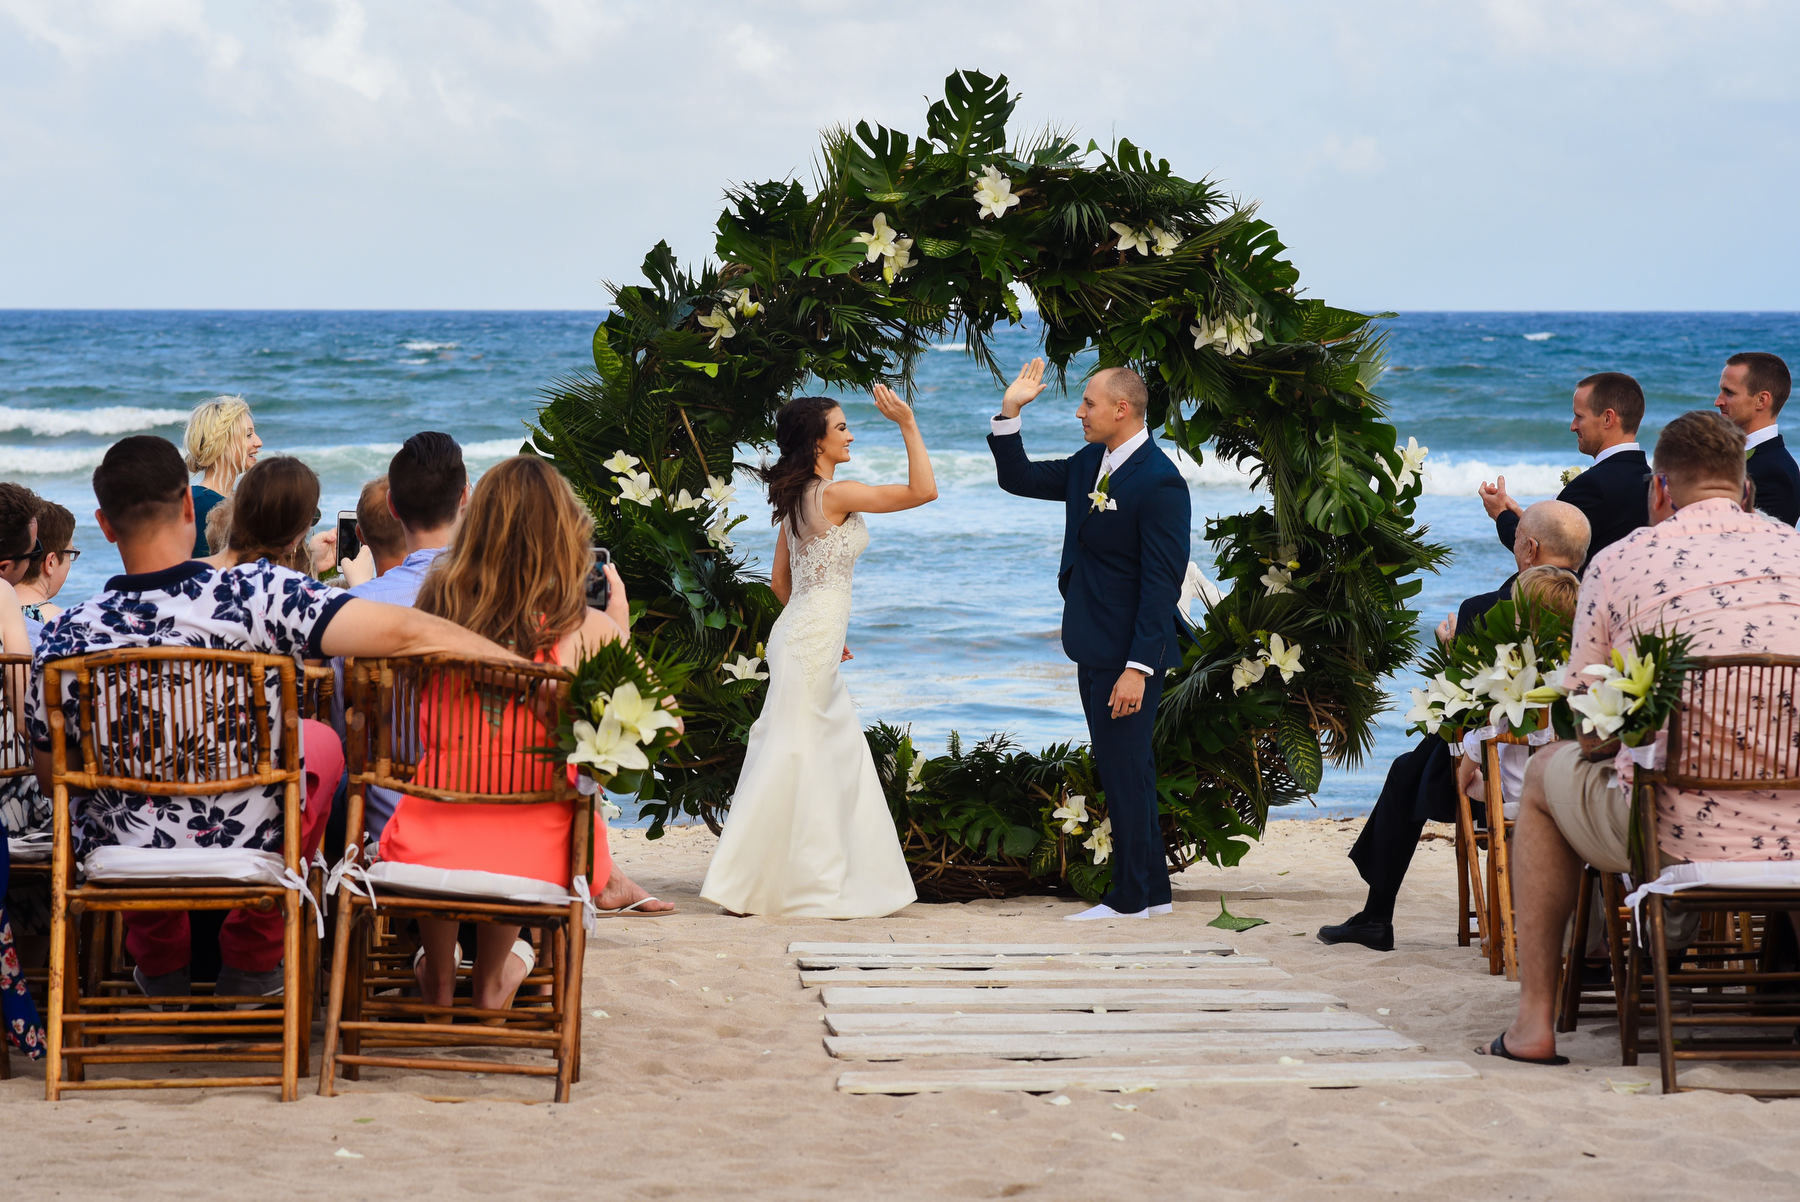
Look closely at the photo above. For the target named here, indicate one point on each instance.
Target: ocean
(955, 625)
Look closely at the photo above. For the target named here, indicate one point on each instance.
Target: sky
(519, 154)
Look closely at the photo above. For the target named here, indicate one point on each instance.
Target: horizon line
(1396, 310)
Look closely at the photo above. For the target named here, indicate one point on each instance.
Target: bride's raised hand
(1024, 389)
(892, 407)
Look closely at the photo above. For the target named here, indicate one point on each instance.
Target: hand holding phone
(347, 542)
(599, 588)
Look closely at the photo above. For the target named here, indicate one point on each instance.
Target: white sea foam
(114, 419)
(1541, 336)
(951, 346)
(49, 461)
(415, 361)
(421, 344)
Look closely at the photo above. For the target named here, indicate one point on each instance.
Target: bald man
(1421, 784)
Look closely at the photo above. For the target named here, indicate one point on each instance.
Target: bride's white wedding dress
(809, 833)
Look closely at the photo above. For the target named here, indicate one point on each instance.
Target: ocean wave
(415, 361)
(49, 461)
(1541, 336)
(362, 460)
(114, 419)
(421, 344)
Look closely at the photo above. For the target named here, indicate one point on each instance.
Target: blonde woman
(221, 445)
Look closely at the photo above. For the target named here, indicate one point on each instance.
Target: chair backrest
(318, 688)
(15, 748)
(462, 730)
(175, 721)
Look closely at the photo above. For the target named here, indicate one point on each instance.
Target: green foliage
(694, 362)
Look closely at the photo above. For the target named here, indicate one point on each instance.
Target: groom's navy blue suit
(1120, 578)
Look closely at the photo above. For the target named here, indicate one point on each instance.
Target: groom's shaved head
(1123, 384)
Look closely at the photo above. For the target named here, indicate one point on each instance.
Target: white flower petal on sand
(1100, 841)
(993, 193)
(719, 322)
(1130, 239)
(880, 240)
(745, 667)
(621, 463)
(1073, 812)
(640, 716)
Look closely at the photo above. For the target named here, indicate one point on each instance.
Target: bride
(809, 833)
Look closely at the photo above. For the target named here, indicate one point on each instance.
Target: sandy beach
(707, 1079)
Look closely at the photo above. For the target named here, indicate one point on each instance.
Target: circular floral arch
(903, 241)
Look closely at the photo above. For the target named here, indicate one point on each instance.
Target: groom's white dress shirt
(1108, 462)
(1756, 438)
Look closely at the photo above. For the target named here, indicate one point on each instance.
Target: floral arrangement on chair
(1505, 673)
(619, 718)
(1632, 695)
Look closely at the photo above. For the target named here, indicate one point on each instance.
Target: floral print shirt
(1731, 581)
(253, 607)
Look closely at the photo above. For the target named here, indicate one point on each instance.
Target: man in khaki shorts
(1728, 579)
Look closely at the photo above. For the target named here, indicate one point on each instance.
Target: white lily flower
(898, 261)
(1207, 333)
(621, 463)
(1284, 657)
(719, 492)
(1454, 697)
(686, 501)
(637, 486)
(1427, 707)
(1130, 239)
(1288, 553)
(1195, 585)
(1247, 672)
(1412, 464)
(745, 667)
(915, 774)
(741, 304)
(719, 322)
(1240, 334)
(1276, 580)
(719, 534)
(640, 716)
(1602, 708)
(606, 748)
(880, 240)
(1101, 501)
(1511, 699)
(1100, 842)
(1164, 243)
(1073, 812)
(993, 193)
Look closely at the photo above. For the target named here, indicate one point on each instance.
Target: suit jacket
(1431, 774)
(1777, 478)
(1121, 569)
(1614, 494)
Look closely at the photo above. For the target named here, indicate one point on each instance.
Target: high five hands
(1023, 390)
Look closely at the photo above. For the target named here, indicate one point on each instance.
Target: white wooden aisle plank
(842, 1022)
(1097, 963)
(1116, 1043)
(1194, 947)
(861, 997)
(979, 978)
(1076, 1074)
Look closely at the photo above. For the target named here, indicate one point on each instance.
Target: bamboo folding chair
(456, 756)
(112, 690)
(1471, 885)
(15, 762)
(318, 688)
(1574, 996)
(1484, 873)
(1737, 727)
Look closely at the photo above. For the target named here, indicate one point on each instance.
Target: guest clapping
(1608, 408)
(517, 574)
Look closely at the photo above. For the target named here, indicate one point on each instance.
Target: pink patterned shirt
(1731, 581)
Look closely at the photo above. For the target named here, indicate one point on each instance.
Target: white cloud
(1358, 155)
(338, 55)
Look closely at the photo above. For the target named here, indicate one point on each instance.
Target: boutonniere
(1101, 500)
(1569, 474)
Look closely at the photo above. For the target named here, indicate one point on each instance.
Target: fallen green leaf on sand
(1628, 1086)
(1227, 921)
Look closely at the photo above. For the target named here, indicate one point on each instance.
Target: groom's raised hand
(1023, 390)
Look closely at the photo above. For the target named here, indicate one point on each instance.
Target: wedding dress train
(809, 833)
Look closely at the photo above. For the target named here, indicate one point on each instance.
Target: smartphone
(349, 546)
(599, 588)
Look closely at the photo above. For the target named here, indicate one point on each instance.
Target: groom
(1124, 555)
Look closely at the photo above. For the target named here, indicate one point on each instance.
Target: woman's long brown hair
(518, 568)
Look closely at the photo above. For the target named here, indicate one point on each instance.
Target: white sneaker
(1165, 908)
(1103, 911)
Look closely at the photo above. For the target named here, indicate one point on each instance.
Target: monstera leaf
(971, 118)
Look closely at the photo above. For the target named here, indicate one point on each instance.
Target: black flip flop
(1498, 1048)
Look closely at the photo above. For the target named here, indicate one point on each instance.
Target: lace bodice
(821, 563)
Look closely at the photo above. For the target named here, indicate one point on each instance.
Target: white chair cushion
(1724, 874)
(464, 882)
(29, 849)
(214, 866)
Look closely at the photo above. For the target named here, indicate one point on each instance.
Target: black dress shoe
(1357, 929)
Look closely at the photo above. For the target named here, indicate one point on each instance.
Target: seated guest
(421, 499)
(19, 509)
(1547, 590)
(49, 571)
(1420, 782)
(1729, 580)
(1608, 408)
(517, 573)
(221, 445)
(1752, 389)
(167, 598)
(269, 516)
(381, 541)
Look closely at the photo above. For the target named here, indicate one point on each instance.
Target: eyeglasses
(37, 551)
(318, 516)
(71, 554)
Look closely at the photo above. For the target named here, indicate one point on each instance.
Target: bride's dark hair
(800, 427)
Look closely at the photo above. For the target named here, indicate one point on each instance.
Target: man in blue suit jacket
(1752, 389)
(1124, 556)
